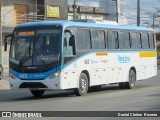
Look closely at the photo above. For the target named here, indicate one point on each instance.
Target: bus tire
(37, 93)
(83, 85)
(132, 79)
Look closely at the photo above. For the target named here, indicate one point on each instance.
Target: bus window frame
(129, 40)
(150, 33)
(142, 33)
(82, 28)
(102, 30)
(132, 40)
(117, 41)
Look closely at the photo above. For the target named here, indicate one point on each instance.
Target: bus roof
(66, 23)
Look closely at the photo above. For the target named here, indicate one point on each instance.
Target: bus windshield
(40, 49)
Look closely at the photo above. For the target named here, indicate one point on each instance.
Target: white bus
(80, 56)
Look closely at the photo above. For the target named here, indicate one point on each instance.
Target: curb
(4, 85)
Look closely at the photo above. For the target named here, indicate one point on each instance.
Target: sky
(128, 8)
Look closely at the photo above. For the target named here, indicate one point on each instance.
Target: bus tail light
(12, 76)
(55, 74)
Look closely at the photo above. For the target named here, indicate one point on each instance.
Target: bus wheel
(83, 85)
(37, 93)
(132, 80)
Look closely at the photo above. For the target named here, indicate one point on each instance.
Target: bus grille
(32, 85)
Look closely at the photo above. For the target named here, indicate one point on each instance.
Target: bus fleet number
(23, 76)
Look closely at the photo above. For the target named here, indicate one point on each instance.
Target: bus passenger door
(70, 71)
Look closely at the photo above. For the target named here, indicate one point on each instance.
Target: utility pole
(153, 20)
(74, 9)
(138, 12)
(117, 12)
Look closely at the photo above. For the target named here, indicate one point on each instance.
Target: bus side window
(145, 41)
(67, 48)
(112, 39)
(135, 40)
(151, 41)
(69, 44)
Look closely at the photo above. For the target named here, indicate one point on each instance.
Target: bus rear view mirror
(6, 40)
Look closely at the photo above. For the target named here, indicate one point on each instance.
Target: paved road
(145, 97)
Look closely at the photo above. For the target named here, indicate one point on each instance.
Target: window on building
(40, 7)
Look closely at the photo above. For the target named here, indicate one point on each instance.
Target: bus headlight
(55, 74)
(12, 76)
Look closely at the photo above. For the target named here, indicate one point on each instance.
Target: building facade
(14, 12)
(86, 12)
(113, 8)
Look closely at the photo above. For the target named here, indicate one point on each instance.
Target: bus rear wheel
(37, 93)
(83, 85)
(132, 80)
(131, 83)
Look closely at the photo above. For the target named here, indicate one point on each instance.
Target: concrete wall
(8, 9)
(7, 15)
(63, 8)
(5, 58)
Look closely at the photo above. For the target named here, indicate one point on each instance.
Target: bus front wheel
(37, 93)
(83, 85)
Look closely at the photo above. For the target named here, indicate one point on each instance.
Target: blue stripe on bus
(35, 76)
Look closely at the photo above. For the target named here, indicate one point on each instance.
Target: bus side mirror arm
(5, 41)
